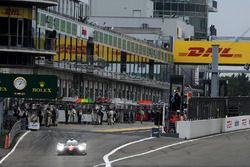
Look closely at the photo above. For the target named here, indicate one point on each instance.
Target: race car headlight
(60, 147)
(82, 147)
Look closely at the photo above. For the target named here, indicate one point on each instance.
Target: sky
(232, 18)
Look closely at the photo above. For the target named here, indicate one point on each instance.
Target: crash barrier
(193, 129)
(11, 135)
(213, 108)
(236, 123)
(199, 128)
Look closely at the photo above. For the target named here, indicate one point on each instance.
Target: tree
(238, 85)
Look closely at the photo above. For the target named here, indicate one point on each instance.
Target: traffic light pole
(215, 75)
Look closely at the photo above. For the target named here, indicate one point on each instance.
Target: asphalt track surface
(38, 149)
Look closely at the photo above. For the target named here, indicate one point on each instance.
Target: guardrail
(11, 135)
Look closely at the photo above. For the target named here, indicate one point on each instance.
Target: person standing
(49, 115)
(142, 115)
(131, 116)
(73, 114)
(110, 117)
(54, 116)
(66, 115)
(115, 115)
(102, 114)
(79, 115)
(98, 115)
(177, 97)
(40, 116)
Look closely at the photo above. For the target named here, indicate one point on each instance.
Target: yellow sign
(3, 89)
(15, 12)
(41, 90)
(200, 52)
(42, 84)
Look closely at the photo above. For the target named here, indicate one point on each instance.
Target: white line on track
(106, 157)
(14, 148)
(108, 163)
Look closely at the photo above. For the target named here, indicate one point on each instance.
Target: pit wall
(200, 128)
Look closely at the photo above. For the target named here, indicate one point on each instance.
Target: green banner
(28, 86)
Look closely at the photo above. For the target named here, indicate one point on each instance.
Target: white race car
(71, 147)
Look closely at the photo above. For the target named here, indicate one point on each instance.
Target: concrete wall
(199, 128)
(128, 8)
(236, 123)
(194, 129)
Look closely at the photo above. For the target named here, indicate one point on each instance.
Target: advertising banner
(200, 52)
(15, 12)
(28, 86)
(236, 123)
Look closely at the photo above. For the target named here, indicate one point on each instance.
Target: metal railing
(206, 108)
(100, 72)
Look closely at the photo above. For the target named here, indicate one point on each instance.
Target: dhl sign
(200, 52)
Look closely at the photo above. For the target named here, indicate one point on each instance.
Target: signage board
(200, 52)
(236, 123)
(28, 86)
(15, 12)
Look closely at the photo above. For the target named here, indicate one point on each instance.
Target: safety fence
(211, 108)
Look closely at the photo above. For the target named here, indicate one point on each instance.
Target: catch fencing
(211, 108)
